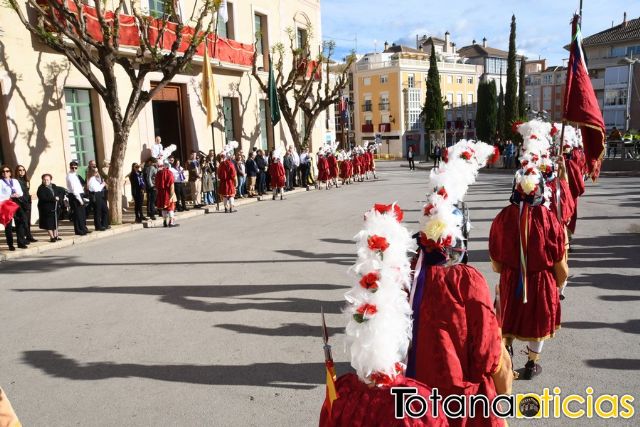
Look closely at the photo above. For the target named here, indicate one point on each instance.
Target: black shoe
(226, 210)
(138, 221)
(88, 232)
(22, 246)
(100, 229)
(53, 240)
(164, 223)
(531, 369)
(12, 248)
(174, 225)
(562, 297)
(274, 197)
(31, 239)
(144, 218)
(58, 238)
(186, 209)
(152, 217)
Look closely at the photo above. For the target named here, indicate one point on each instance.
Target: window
(414, 103)
(450, 99)
(157, 8)
(496, 66)
(262, 37)
(469, 98)
(384, 79)
(546, 98)
(302, 38)
(459, 79)
(614, 97)
(547, 79)
(470, 80)
(229, 109)
(449, 79)
(614, 118)
(80, 127)
(633, 51)
(367, 81)
(616, 75)
(411, 80)
(384, 102)
(264, 125)
(368, 105)
(458, 100)
(225, 30)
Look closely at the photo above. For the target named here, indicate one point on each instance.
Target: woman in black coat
(48, 200)
(136, 178)
(25, 201)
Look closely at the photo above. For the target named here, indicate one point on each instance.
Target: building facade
(390, 90)
(51, 115)
(614, 67)
(493, 61)
(545, 87)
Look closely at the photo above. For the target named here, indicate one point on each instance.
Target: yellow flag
(332, 393)
(208, 88)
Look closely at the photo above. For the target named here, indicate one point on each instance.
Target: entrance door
(168, 119)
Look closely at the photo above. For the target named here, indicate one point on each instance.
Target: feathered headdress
(229, 149)
(278, 153)
(379, 325)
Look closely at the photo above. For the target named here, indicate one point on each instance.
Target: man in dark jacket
(251, 169)
(261, 163)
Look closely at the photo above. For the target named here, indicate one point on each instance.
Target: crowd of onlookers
(195, 179)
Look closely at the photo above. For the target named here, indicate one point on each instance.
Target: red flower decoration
(554, 130)
(370, 281)
(515, 126)
(496, 155)
(535, 158)
(388, 208)
(428, 209)
(365, 312)
(442, 192)
(445, 155)
(533, 136)
(530, 171)
(430, 245)
(377, 243)
(380, 378)
(465, 155)
(525, 163)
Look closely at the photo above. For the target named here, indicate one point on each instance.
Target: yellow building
(390, 91)
(51, 115)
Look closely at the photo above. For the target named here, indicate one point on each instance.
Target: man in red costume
(227, 182)
(166, 198)
(323, 169)
(333, 169)
(532, 267)
(277, 176)
(576, 168)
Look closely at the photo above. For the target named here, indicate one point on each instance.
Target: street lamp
(631, 62)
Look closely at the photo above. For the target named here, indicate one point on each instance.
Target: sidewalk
(69, 238)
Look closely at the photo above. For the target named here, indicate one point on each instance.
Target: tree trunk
(115, 181)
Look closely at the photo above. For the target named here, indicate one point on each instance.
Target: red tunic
(539, 318)
(372, 163)
(567, 204)
(164, 186)
(323, 169)
(333, 166)
(226, 179)
(357, 165)
(349, 168)
(576, 168)
(361, 406)
(344, 169)
(277, 175)
(457, 344)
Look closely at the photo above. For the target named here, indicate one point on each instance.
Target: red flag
(581, 105)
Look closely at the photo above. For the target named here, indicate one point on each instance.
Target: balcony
(384, 127)
(367, 107)
(383, 106)
(367, 128)
(598, 84)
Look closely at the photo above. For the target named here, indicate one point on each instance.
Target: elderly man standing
(195, 179)
(76, 189)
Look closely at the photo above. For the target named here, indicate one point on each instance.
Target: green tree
(97, 53)
(522, 97)
(486, 117)
(510, 96)
(500, 125)
(433, 111)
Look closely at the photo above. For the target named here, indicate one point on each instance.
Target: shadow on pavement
(619, 298)
(618, 364)
(606, 281)
(629, 327)
(339, 241)
(286, 330)
(301, 376)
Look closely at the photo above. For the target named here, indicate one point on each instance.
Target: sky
(542, 26)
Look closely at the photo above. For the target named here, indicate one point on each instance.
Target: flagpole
(213, 134)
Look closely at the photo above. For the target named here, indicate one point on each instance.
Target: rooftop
(625, 31)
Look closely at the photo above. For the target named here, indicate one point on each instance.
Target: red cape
(277, 174)
(164, 185)
(7, 209)
(226, 179)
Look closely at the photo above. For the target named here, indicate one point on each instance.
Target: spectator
(242, 174)
(138, 186)
(288, 169)
(207, 183)
(166, 201)
(437, 155)
(10, 189)
(77, 201)
(305, 166)
(261, 163)
(49, 198)
(157, 148)
(179, 184)
(252, 173)
(97, 194)
(25, 202)
(150, 181)
(195, 179)
(295, 176)
(614, 139)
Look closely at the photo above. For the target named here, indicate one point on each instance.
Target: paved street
(217, 322)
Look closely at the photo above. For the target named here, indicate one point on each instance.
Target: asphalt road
(216, 323)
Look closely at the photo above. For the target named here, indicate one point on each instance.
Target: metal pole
(213, 134)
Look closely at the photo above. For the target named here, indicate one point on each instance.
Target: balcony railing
(384, 127)
(367, 128)
(383, 106)
(367, 107)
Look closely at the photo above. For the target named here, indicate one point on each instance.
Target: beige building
(390, 90)
(51, 115)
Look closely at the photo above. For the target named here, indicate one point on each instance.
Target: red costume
(372, 165)
(277, 174)
(457, 345)
(567, 205)
(576, 167)
(539, 318)
(359, 405)
(226, 179)
(357, 165)
(164, 186)
(323, 169)
(333, 166)
(344, 169)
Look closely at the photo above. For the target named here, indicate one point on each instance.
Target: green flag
(273, 96)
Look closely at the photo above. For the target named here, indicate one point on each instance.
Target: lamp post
(631, 62)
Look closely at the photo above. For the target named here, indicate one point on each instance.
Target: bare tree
(307, 87)
(64, 26)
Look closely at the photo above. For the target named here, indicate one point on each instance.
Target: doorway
(168, 119)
